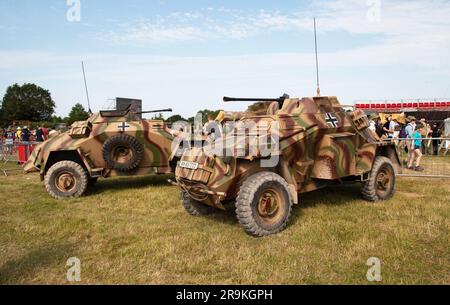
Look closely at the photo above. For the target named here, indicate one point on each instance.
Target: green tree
(158, 116)
(27, 102)
(56, 119)
(2, 121)
(78, 113)
(175, 118)
(208, 113)
(205, 114)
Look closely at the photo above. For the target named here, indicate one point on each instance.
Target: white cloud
(408, 31)
(205, 24)
(411, 36)
(153, 33)
(416, 32)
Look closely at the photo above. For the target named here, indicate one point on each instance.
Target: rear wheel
(264, 204)
(66, 179)
(381, 183)
(193, 207)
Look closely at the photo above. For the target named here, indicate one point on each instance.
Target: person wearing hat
(372, 121)
(374, 125)
(19, 134)
(386, 125)
(25, 135)
(393, 124)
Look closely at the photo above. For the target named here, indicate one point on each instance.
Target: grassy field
(136, 231)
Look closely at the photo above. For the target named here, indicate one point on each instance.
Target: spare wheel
(123, 152)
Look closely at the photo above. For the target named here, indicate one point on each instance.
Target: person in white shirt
(392, 125)
(373, 124)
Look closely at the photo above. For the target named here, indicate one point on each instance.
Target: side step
(97, 172)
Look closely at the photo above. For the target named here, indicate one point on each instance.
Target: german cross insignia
(331, 120)
(123, 127)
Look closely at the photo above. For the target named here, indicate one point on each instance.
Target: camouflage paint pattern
(86, 139)
(319, 143)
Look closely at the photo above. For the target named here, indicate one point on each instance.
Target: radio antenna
(317, 58)
(86, 87)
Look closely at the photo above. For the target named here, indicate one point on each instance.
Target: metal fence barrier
(435, 159)
(15, 153)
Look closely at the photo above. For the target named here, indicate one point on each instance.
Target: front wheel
(66, 179)
(193, 207)
(381, 183)
(264, 204)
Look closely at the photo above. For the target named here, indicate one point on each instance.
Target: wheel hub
(383, 181)
(122, 154)
(65, 182)
(268, 204)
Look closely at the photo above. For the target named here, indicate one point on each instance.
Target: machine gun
(279, 100)
(154, 111)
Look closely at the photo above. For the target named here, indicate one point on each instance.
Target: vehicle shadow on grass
(333, 196)
(24, 268)
(121, 183)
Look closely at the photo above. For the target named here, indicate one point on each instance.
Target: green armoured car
(317, 144)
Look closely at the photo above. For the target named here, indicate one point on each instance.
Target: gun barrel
(153, 111)
(234, 99)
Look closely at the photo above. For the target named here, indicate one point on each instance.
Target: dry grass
(135, 231)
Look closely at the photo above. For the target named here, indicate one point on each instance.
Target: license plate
(189, 165)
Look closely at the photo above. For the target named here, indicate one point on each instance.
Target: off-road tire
(68, 170)
(127, 142)
(248, 204)
(370, 190)
(193, 207)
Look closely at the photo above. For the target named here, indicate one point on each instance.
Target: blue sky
(188, 54)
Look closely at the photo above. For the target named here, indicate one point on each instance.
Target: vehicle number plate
(189, 165)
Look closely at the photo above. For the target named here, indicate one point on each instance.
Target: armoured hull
(316, 143)
(108, 144)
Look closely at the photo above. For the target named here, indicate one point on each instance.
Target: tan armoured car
(109, 143)
(318, 144)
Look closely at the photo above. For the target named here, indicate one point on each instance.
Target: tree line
(29, 102)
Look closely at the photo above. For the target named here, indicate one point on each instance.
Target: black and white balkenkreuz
(123, 127)
(331, 120)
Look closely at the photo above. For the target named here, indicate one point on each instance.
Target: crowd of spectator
(415, 137)
(17, 135)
